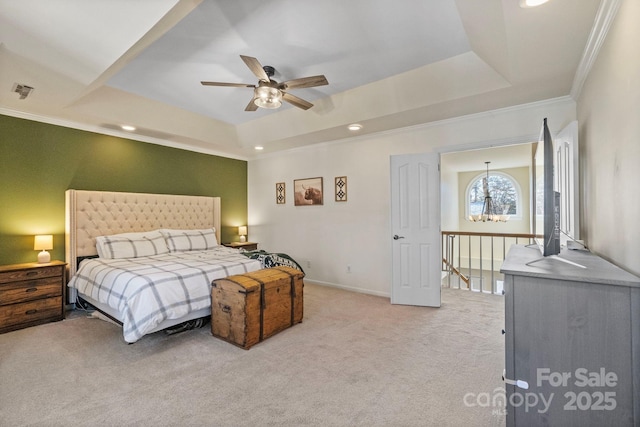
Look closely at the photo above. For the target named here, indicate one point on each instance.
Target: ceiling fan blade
(304, 82)
(251, 106)
(227, 84)
(255, 67)
(298, 102)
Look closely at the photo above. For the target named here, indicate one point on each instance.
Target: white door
(415, 228)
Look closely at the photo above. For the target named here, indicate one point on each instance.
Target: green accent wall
(39, 162)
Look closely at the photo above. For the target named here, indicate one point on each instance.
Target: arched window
(504, 191)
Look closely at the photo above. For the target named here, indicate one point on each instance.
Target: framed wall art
(341, 188)
(281, 193)
(307, 191)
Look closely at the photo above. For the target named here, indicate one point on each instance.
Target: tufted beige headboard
(90, 214)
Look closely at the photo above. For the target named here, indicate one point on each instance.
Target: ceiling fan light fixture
(269, 93)
(267, 97)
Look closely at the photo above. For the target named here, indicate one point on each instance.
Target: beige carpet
(356, 360)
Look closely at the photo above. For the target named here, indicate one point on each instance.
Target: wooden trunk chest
(248, 308)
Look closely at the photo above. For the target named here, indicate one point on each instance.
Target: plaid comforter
(148, 290)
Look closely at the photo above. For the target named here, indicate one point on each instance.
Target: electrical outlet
(308, 264)
(348, 268)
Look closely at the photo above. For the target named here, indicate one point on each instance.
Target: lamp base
(243, 239)
(44, 257)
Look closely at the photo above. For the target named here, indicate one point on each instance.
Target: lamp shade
(43, 242)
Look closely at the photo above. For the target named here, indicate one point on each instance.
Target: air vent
(23, 90)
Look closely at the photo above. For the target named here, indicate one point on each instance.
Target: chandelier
(488, 213)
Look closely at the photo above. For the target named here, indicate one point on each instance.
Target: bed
(146, 260)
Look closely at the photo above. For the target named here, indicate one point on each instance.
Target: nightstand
(248, 246)
(31, 294)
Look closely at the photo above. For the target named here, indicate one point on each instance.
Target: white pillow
(190, 240)
(131, 245)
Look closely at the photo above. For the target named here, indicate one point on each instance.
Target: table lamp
(43, 243)
(242, 231)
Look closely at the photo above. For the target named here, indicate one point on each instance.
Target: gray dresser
(573, 335)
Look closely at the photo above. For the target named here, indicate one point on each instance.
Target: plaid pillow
(131, 245)
(190, 240)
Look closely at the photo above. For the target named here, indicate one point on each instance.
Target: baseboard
(349, 288)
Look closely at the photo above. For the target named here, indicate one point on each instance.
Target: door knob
(396, 237)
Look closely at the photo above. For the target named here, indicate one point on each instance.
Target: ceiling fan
(269, 93)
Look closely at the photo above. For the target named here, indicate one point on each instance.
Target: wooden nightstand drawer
(17, 316)
(29, 290)
(30, 273)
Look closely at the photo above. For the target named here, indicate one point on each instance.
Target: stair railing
(463, 253)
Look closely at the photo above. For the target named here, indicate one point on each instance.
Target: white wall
(357, 233)
(450, 201)
(608, 110)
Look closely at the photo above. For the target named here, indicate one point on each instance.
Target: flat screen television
(547, 200)
(547, 222)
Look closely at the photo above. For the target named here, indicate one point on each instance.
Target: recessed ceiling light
(128, 127)
(354, 127)
(258, 147)
(531, 3)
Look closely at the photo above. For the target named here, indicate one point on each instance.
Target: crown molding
(112, 132)
(604, 18)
